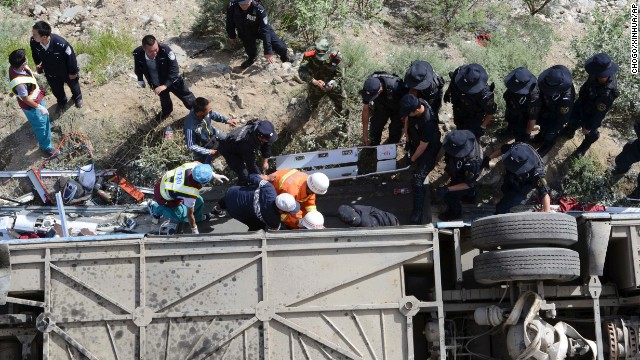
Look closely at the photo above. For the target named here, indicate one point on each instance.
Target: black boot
(418, 204)
(245, 64)
(544, 149)
(582, 149)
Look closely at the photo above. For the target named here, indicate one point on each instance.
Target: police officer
(424, 144)
(249, 19)
(177, 193)
(200, 136)
(53, 55)
(257, 205)
(366, 216)
(557, 97)
(629, 155)
(472, 99)
(425, 83)
(30, 97)
(595, 98)
(463, 159)
(524, 172)
(158, 64)
(321, 68)
(522, 99)
(381, 96)
(240, 146)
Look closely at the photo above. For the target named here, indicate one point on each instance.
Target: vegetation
(110, 54)
(586, 180)
(15, 35)
(608, 34)
(524, 43)
(535, 6)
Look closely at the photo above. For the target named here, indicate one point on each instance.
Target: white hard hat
(287, 203)
(318, 183)
(313, 220)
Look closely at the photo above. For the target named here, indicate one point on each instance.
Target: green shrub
(586, 180)
(535, 6)
(359, 62)
(15, 35)
(524, 43)
(607, 34)
(401, 57)
(211, 18)
(444, 17)
(110, 54)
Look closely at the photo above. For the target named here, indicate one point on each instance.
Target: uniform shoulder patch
(601, 107)
(564, 110)
(542, 182)
(68, 50)
(171, 55)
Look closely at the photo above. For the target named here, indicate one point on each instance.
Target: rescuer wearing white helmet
(303, 187)
(312, 220)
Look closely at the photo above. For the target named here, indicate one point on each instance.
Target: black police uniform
(366, 216)
(520, 109)
(516, 187)
(58, 62)
(433, 94)
(239, 150)
(253, 25)
(423, 128)
(241, 203)
(464, 169)
(555, 112)
(168, 75)
(426, 84)
(630, 153)
(594, 101)
(386, 106)
(469, 110)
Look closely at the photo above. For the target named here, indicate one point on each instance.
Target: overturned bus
(515, 286)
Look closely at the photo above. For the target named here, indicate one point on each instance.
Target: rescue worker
(30, 97)
(380, 103)
(366, 216)
(423, 136)
(425, 83)
(239, 148)
(248, 20)
(557, 96)
(177, 193)
(524, 172)
(303, 187)
(257, 205)
(158, 64)
(472, 99)
(321, 68)
(463, 159)
(522, 100)
(595, 99)
(52, 54)
(312, 221)
(200, 136)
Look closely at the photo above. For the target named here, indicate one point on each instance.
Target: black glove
(481, 132)
(447, 96)
(485, 162)
(442, 191)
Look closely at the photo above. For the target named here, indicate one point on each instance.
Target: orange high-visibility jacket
(294, 182)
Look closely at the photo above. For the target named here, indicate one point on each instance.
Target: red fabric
(569, 204)
(482, 38)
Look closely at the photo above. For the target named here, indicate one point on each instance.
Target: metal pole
(63, 217)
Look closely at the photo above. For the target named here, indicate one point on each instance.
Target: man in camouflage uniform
(322, 70)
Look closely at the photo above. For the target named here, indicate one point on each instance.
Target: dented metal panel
(336, 294)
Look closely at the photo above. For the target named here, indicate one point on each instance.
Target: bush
(400, 59)
(110, 54)
(587, 181)
(15, 35)
(607, 33)
(535, 6)
(525, 43)
(444, 17)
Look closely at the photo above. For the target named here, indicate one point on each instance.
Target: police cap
(371, 89)
(520, 159)
(520, 81)
(555, 80)
(459, 143)
(600, 65)
(419, 76)
(266, 129)
(408, 104)
(471, 79)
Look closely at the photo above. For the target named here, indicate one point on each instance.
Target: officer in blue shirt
(248, 20)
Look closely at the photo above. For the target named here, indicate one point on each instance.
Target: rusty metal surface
(336, 294)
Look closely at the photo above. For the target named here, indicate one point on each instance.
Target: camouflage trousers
(336, 96)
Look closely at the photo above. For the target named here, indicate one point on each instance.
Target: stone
(38, 10)
(293, 101)
(221, 68)
(84, 60)
(157, 18)
(297, 79)
(237, 76)
(72, 13)
(277, 80)
(286, 66)
(181, 55)
(239, 101)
